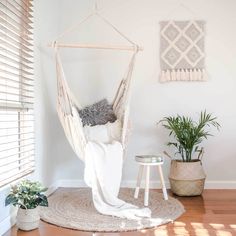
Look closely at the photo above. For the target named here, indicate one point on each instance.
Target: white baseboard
(67, 183)
(208, 184)
(152, 184)
(7, 223)
(220, 184)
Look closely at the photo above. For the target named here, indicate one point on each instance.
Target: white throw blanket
(103, 172)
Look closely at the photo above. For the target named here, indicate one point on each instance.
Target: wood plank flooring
(212, 214)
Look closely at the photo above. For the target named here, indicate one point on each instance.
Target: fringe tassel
(183, 75)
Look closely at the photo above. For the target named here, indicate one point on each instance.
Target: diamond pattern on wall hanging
(182, 52)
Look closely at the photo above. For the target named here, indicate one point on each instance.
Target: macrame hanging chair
(68, 106)
(100, 166)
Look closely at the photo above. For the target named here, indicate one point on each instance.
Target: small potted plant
(187, 177)
(27, 195)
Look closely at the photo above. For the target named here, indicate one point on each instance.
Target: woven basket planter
(27, 219)
(187, 178)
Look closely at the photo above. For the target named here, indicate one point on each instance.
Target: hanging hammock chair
(103, 161)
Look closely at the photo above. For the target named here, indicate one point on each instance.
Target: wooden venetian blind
(16, 90)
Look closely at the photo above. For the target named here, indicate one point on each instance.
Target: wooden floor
(213, 213)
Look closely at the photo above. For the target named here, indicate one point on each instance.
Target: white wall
(46, 15)
(95, 74)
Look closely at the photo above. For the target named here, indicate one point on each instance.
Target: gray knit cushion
(97, 114)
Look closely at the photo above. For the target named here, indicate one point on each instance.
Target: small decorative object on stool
(146, 161)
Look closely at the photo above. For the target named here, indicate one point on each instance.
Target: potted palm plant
(27, 195)
(187, 177)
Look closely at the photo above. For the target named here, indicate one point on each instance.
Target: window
(16, 90)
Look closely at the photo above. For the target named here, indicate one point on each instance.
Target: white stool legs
(163, 186)
(140, 174)
(146, 195)
(147, 181)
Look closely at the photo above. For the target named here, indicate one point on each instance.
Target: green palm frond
(188, 133)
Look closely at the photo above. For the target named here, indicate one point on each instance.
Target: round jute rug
(74, 209)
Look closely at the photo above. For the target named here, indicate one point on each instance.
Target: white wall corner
(52, 188)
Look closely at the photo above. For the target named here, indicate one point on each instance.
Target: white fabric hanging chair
(103, 162)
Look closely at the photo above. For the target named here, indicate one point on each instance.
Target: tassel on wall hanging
(182, 51)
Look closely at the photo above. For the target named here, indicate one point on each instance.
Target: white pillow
(104, 133)
(114, 130)
(97, 133)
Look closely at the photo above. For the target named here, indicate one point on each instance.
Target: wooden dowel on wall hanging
(96, 46)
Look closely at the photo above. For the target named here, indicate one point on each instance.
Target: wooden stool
(146, 161)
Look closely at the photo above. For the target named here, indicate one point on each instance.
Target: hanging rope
(105, 20)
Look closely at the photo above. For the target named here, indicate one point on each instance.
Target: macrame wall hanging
(182, 52)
